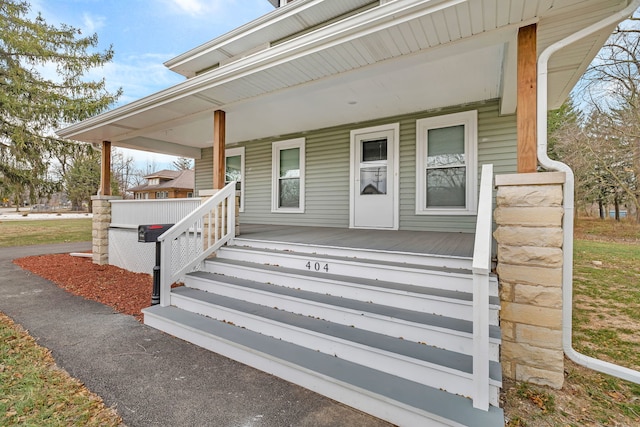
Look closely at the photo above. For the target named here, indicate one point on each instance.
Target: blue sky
(146, 33)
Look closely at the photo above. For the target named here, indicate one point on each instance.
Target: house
(166, 184)
(355, 143)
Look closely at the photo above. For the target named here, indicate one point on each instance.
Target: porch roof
(394, 58)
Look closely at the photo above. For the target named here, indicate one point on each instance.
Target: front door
(374, 156)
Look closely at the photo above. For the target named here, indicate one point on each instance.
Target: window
(189, 194)
(373, 166)
(162, 194)
(234, 171)
(446, 164)
(287, 188)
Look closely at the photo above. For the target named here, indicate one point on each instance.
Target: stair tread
(431, 400)
(375, 263)
(427, 354)
(444, 293)
(434, 320)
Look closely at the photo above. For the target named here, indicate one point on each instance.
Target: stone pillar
(101, 208)
(529, 235)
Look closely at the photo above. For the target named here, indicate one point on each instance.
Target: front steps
(391, 336)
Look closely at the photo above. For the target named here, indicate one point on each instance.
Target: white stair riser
(459, 342)
(410, 276)
(410, 301)
(379, 406)
(432, 375)
(370, 254)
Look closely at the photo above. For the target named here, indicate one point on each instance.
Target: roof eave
(315, 40)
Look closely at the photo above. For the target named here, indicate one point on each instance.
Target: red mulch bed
(124, 291)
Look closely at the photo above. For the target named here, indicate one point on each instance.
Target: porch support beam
(527, 98)
(219, 119)
(105, 169)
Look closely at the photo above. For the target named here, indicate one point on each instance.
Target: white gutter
(546, 162)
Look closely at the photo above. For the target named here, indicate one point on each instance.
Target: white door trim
(354, 188)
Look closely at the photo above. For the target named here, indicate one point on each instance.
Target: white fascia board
(368, 22)
(271, 18)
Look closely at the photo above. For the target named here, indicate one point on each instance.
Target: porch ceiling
(397, 58)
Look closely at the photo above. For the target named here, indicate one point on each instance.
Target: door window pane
(373, 180)
(374, 150)
(446, 187)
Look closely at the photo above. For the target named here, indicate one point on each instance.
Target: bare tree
(612, 92)
(182, 163)
(123, 170)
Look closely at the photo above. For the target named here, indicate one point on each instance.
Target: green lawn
(607, 301)
(36, 232)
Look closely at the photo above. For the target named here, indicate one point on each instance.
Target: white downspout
(546, 162)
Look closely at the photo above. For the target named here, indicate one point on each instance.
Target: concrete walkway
(151, 378)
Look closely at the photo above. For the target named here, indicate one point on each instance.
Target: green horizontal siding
(204, 171)
(327, 171)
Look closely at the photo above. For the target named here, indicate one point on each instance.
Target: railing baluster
(216, 229)
(223, 221)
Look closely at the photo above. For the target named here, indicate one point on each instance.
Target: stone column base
(101, 208)
(529, 234)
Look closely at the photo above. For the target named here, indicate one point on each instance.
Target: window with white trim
(234, 170)
(446, 165)
(287, 187)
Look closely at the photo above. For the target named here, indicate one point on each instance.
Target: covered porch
(377, 60)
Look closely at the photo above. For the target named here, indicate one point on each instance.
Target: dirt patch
(124, 291)
(588, 399)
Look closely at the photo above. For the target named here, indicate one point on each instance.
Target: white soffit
(283, 22)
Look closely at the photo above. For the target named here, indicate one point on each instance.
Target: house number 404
(316, 266)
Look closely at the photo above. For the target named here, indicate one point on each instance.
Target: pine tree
(83, 178)
(32, 106)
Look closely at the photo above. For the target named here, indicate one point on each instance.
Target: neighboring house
(355, 132)
(166, 184)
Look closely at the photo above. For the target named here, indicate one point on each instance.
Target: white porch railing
(481, 269)
(132, 213)
(195, 237)
(126, 215)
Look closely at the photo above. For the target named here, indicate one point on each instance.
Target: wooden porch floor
(426, 242)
